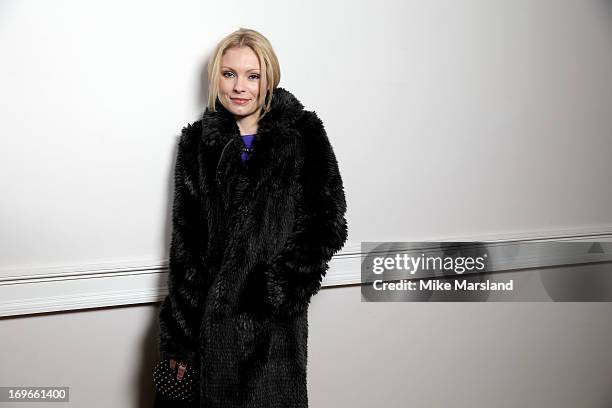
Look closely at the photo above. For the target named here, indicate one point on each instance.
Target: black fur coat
(250, 245)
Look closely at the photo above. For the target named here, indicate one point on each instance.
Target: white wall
(434, 355)
(449, 117)
(462, 120)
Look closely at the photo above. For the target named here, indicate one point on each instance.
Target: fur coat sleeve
(294, 274)
(179, 312)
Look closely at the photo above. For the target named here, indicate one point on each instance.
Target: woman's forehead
(242, 58)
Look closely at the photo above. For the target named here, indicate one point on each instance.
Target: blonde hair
(269, 67)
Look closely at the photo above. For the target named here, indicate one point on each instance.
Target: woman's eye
(226, 73)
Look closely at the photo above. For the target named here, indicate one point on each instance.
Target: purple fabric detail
(248, 141)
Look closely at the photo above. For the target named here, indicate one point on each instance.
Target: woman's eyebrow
(252, 69)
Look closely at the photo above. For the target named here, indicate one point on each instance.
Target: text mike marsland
(437, 285)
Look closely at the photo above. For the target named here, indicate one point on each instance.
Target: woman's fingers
(181, 371)
(182, 367)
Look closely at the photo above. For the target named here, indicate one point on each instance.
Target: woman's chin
(242, 113)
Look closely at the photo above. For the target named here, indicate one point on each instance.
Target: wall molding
(32, 290)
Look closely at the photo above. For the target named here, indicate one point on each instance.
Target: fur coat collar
(285, 110)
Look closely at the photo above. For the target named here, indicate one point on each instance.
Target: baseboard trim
(33, 290)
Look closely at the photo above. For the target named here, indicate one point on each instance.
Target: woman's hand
(182, 367)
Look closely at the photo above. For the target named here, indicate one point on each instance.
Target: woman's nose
(238, 85)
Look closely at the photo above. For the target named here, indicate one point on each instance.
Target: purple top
(248, 141)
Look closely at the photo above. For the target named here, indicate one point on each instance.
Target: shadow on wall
(151, 339)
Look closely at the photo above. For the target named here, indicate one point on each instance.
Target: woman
(258, 213)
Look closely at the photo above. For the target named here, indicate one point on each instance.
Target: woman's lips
(239, 101)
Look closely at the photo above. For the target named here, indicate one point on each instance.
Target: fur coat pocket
(252, 336)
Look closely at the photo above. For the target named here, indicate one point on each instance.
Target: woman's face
(239, 82)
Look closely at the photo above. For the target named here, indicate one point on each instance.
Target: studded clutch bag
(170, 387)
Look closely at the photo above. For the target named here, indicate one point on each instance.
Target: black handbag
(170, 387)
